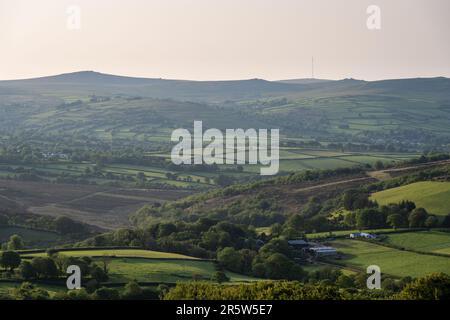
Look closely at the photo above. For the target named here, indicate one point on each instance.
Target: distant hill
(212, 91)
(439, 86)
(85, 77)
(304, 81)
(411, 114)
(217, 91)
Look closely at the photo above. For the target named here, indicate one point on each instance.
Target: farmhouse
(362, 235)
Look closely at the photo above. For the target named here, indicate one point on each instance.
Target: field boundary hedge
(392, 231)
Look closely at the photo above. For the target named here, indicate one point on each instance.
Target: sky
(225, 39)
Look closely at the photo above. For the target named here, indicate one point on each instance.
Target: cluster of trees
(9, 260)
(53, 266)
(431, 287)
(262, 209)
(131, 291)
(201, 238)
(365, 214)
(64, 226)
(15, 243)
(238, 248)
(326, 284)
(273, 260)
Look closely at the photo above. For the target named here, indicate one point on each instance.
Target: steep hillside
(314, 194)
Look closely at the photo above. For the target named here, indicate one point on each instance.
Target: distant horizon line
(217, 80)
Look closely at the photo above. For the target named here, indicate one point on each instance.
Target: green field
(360, 254)
(165, 271)
(429, 241)
(152, 266)
(135, 253)
(431, 195)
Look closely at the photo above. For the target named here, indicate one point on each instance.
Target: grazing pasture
(150, 266)
(429, 241)
(434, 196)
(361, 254)
(165, 271)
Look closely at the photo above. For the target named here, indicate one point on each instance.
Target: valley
(86, 178)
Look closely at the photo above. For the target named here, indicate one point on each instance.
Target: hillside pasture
(134, 253)
(434, 196)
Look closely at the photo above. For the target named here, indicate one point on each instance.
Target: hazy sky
(226, 39)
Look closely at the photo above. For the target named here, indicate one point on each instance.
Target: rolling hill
(432, 195)
(405, 114)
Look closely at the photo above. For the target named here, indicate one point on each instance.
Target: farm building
(299, 244)
(362, 235)
(323, 251)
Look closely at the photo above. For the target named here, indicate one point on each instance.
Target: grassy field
(394, 262)
(165, 271)
(431, 195)
(135, 253)
(153, 266)
(430, 241)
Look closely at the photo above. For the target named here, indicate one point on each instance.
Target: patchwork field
(102, 206)
(360, 254)
(298, 159)
(432, 195)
